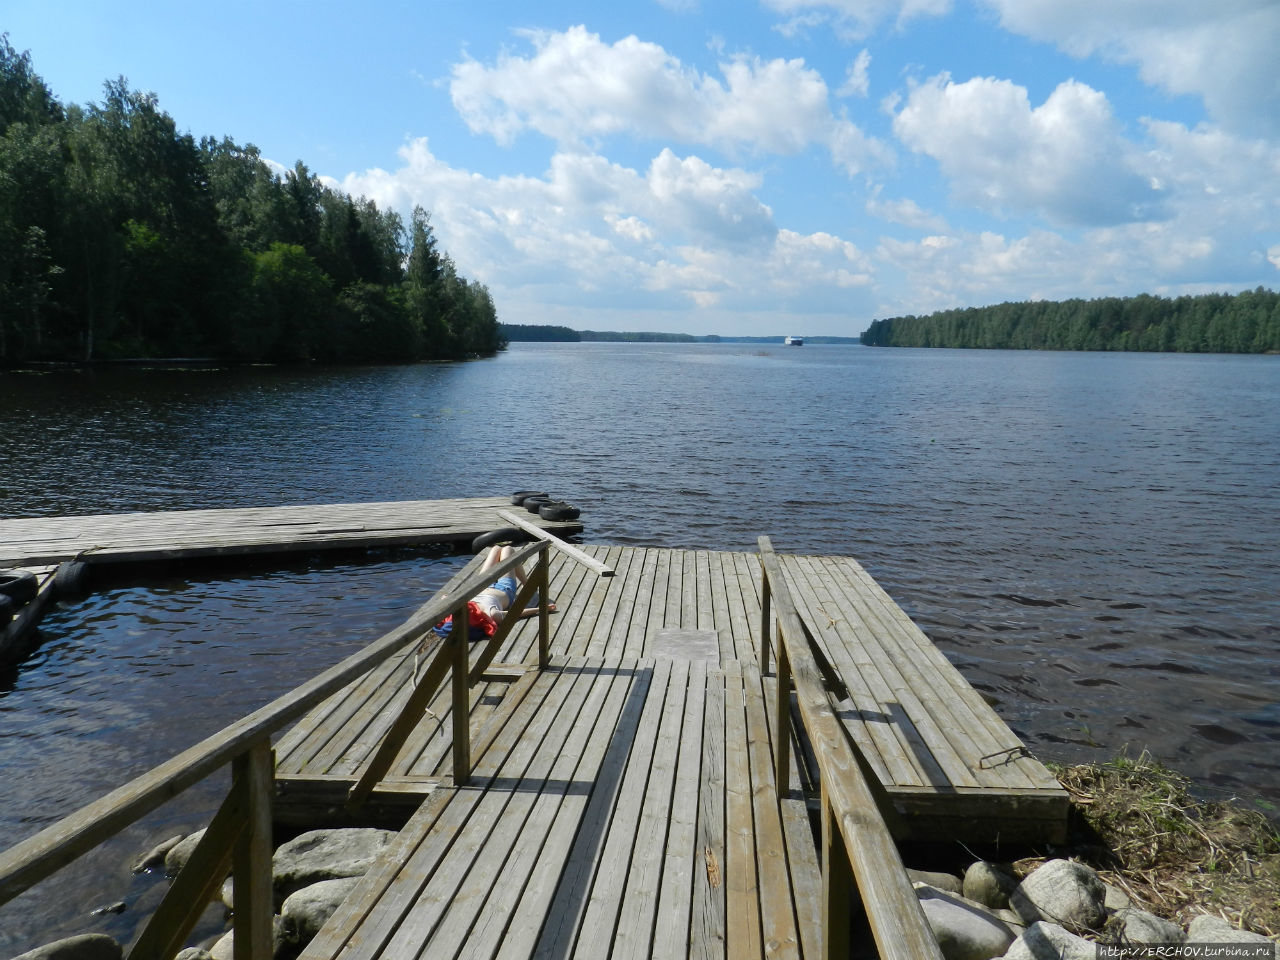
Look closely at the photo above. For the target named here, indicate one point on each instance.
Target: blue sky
(756, 167)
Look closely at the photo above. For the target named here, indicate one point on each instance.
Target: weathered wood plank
(777, 910)
(552, 895)
(912, 757)
(947, 697)
(462, 885)
(741, 879)
(581, 885)
(707, 933)
(522, 891)
(683, 856)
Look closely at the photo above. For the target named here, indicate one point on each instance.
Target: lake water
(1094, 539)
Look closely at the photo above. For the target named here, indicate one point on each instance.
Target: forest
(121, 237)
(1247, 322)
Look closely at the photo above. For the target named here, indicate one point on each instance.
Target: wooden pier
(950, 764)
(194, 534)
(40, 544)
(706, 754)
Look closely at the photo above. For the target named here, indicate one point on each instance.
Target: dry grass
(1174, 855)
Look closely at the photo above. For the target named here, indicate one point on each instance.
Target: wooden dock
(702, 754)
(193, 534)
(950, 764)
(39, 544)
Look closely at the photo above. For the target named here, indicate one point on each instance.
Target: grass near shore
(1175, 856)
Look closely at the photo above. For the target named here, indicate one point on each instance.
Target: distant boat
(794, 341)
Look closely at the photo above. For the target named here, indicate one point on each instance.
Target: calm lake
(1094, 539)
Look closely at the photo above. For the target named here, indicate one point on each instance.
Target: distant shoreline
(541, 333)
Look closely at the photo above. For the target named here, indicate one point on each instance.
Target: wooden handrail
(858, 849)
(35, 858)
(568, 549)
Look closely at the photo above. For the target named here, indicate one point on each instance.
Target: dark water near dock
(1093, 538)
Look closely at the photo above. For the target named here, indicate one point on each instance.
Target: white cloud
(1065, 159)
(852, 19)
(1222, 51)
(1220, 235)
(682, 234)
(857, 81)
(904, 211)
(577, 89)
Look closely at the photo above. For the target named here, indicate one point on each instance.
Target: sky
(754, 167)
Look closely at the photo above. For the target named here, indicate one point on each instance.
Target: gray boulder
(1048, 941)
(88, 946)
(1207, 928)
(306, 911)
(1134, 926)
(178, 855)
(327, 855)
(964, 930)
(194, 953)
(941, 881)
(1062, 892)
(155, 857)
(989, 883)
(225, 948)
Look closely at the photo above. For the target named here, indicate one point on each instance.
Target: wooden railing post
(782, 719)
(253, 774)
(766, 597)
(542, 573)
(461, 697)
(837, 888)
(197, 883)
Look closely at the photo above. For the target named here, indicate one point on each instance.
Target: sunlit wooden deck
(623, 808)
(950, 764)
(699, 753)
(188, 534)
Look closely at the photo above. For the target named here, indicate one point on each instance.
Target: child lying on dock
(488, 607)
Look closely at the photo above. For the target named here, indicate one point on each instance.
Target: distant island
(1248, 322)
(546, 333)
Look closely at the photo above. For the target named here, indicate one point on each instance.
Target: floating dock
(194, 534)
(40, 544)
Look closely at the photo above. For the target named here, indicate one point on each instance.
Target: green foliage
(1217, 323)
(528, 333)
(121, 236)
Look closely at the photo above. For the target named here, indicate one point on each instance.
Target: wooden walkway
(623, 808)
(169, 535)
(949, 763)
(623, 801)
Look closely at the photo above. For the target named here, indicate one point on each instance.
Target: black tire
(70, 578)
(559, 511)
(18, 585)
(520, 496)
(534, 504)
(502, 535)
(7, 608)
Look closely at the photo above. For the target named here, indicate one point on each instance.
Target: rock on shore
(1060, 911)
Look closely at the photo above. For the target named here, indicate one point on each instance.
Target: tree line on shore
(1248, 322)
(121, 237)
